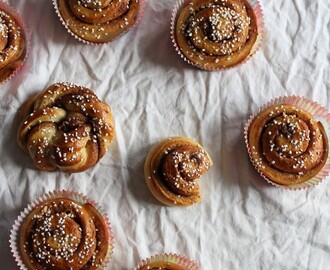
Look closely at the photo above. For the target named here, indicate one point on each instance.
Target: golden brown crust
(216, 34)
(287, 144)
(172, 169)
(161, 265)
(99, 21)
(12, 45)
(62, 234)
(67, 127)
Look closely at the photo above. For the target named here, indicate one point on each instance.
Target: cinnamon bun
(167, 262)
(172, 170)
(287, 145)
(98, 21)
(65, 126)
(63, 234)
(161, 266)
(214, 34)
(13, 45)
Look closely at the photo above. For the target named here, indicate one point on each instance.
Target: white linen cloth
(242, 222)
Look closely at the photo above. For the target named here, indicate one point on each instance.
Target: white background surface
(242, 223)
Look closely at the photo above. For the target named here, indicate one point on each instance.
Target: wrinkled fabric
(242, 222)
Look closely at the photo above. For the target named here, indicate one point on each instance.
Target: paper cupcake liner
(319, 112)
(9, 9)
(180, 4)
(78, 197)
(137, 22)
(175, 259)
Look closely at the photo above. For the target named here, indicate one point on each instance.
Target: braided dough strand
(67, 127)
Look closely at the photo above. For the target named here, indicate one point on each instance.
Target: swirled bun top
(12, 45)
(63, 234)
(216, 34)
(287, 144)
(173, 168)
(65, 126)
(98, 21)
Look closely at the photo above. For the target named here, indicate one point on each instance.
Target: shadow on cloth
(158, 49)
(5, 251)
(136, 182)
(243, 173)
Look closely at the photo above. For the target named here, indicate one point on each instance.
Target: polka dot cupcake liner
(10, 10)
(73, 195)
(320, 114)
(168, 259)
(180, 4)
(137, 22)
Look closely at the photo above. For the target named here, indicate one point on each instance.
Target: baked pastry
(161, 265)
(214, 34)
(287, 145)
(13, 44)
(172, 170)
(167, 262)
(62, 234)
(65, 126)
(98, 21)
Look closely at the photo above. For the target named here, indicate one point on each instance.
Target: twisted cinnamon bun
(215, 34)
(12, 45)
(98, 21)
(287, 144)
(62, 234)
(67, 127)
(173, 168)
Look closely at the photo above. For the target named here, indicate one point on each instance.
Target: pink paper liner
(76, 196)
(9, 9)
(319, 112)
(180, 4)
(137, 22)
(178, 260)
